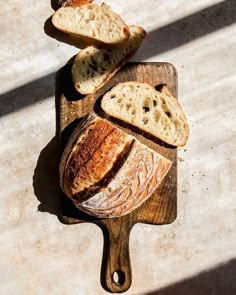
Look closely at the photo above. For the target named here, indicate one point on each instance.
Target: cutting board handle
(116, 274)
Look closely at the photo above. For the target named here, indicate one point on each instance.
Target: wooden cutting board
(161, 208)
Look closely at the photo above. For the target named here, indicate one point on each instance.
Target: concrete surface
(194, 255)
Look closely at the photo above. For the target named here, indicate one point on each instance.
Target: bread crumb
(180, 159)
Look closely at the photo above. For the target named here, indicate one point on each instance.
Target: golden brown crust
(73, 3)
(92, 151)
(93, 171)
(78, 132)
(83, 153)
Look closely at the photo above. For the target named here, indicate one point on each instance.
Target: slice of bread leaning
(92, 21)
(93, 67)
(107, 172)
(156, 112)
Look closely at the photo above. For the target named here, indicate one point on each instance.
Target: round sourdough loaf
(106, 172)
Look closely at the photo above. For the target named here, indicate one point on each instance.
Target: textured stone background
(194, 255)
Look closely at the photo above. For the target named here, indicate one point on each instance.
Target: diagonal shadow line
(158, 41)
(27, 94)
(216, 281)
(189, 28)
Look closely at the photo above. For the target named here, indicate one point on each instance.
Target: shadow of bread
(55, 5)
(46, 181)
(66, 83)
(46, 178)
(71, 214)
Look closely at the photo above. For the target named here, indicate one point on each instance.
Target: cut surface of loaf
(93, 67)
(106, 172)
(92, 21)
(156, 112)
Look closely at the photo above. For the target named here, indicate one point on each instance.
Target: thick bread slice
(93, 67)
(92, 21)
(94, 149)
(73, 3)
(156, 112)
(106, 172)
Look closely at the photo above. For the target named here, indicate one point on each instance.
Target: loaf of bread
(106, 172)
(156, 112)
(92, 21)
(93, 67)
(73, 3)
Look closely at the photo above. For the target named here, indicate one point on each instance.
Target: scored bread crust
(93, 67)
(156, 112)
(93, 150)
(92, 21)
(127, 177)
(134, 183)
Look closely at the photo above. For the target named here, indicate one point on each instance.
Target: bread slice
(156, 112)
(92, 21)
(93, 67)
(106, 172)
(73, 3)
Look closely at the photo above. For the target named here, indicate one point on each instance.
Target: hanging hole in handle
(118, 277)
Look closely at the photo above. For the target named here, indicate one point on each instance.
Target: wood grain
(161, 208)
